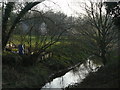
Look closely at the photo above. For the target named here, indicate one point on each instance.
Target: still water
(74, 76)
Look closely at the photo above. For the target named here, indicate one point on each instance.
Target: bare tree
(98, 30)
(47, 29)
(7, 29)
(54, 29)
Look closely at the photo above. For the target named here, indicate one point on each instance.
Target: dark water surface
(74, 76)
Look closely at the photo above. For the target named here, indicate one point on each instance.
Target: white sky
(69, 7)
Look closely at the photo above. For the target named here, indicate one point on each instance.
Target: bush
(11, 59)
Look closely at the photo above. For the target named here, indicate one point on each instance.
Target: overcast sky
(69, 7)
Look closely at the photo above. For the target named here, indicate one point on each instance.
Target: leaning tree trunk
(103, 49)
(5, 17)
(7, 32)
(104, 59)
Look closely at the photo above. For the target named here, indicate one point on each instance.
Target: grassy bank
(105, 77)
(19, 73)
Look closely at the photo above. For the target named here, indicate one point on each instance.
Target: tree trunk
(4, 41)
(6, 36)
(103, 57)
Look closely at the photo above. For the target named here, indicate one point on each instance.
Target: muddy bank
(105, 77)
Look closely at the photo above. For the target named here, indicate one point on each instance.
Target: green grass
(17, 72)
(17, 39)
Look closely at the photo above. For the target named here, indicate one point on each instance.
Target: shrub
(11, 59)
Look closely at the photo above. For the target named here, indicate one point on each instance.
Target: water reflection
(74, 76)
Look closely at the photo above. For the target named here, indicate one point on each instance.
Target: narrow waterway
(74, 76)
